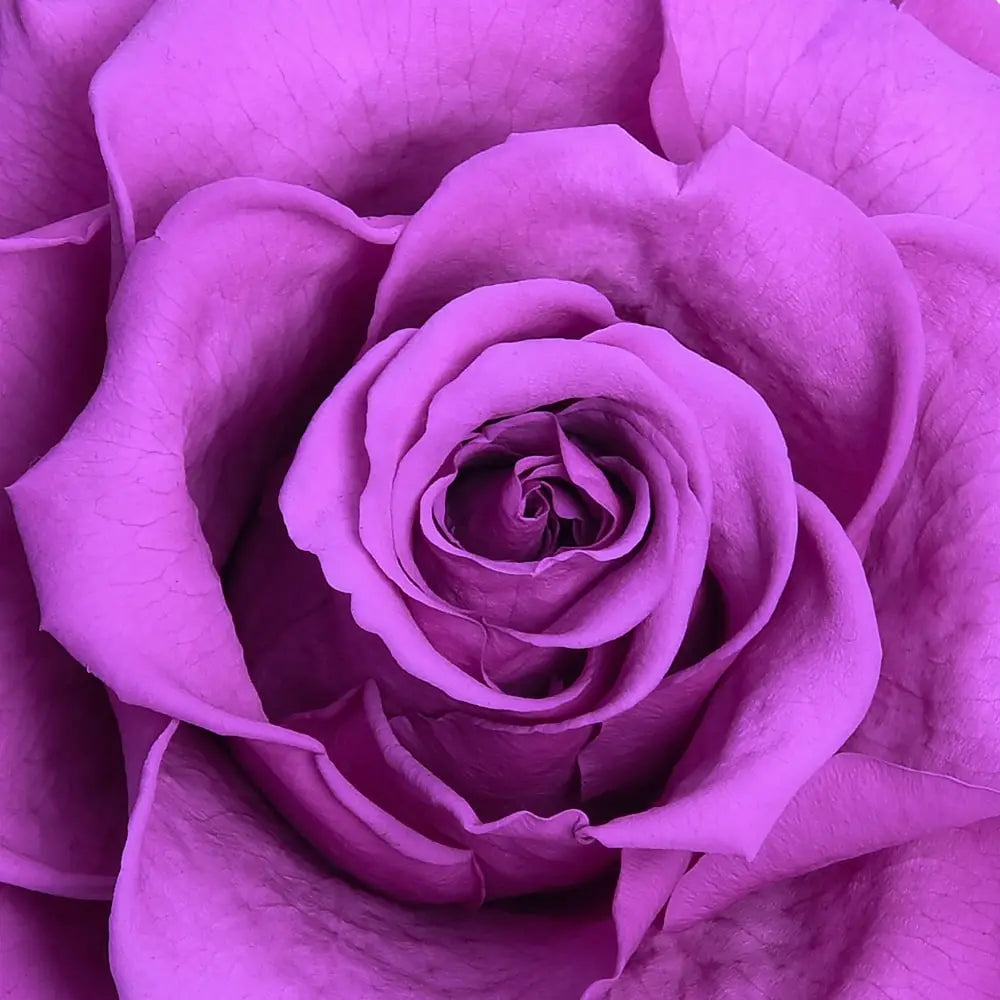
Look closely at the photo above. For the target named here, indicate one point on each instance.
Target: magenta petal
(852, 806)
(858, 94)
(332, 501)
(932, 565)
(295, 628)
(50, 166)
(756, 266)
(369, 102)
(53, 949)
(217, 895)
(351, 828)
(62, 790)
(538, 771)
(970, 27)
(645, 882)
(518, 852)
(784, 707)
(210, 368)
(918, 921)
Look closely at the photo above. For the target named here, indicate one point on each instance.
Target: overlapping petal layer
(227, 327)
(62, 794)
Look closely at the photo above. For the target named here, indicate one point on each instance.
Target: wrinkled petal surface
(860, 95)
(50, 164)
(216, 890)
(917, 921)
(932, 565)
(370, 102)
(751, 264)
(62, 792)
(227, 327)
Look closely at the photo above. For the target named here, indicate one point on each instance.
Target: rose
(173, 447)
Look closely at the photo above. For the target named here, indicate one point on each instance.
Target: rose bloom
(502, 499)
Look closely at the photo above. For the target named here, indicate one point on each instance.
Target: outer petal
(271, 921)
(50, 165)
(371, 102)
(753, 265)
(932, 565)
(970, 27)
(912, 923)
(858, 94)
(53, 949)
(854, 805)
(784, 707)
(227, 325)
(62, 792)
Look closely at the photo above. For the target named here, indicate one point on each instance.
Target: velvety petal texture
(50, 164)
(53, 949)
(247, 303)
(970, 27)
(861, 95)
(215, 889)
(62, 793)
(919, 920)
(933, 555)
(788, 703)
(746, 261)
(370, 102)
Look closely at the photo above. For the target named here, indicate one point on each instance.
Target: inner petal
(508, 506)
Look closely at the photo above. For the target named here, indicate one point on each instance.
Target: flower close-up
(500, 500)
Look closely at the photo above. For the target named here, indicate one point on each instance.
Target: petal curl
(858, 94)
(785, 706)
(853, 806)
(225, 330)
(970, 27)
(272, 920)
(917, 921)
(50, 164)
(932, 565)
(752, 264)
(62, 791)
(370, 102)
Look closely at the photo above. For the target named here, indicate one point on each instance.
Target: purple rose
(522, 478)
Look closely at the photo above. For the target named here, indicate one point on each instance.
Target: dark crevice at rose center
(522, 490)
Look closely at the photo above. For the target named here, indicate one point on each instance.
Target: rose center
(524, 490)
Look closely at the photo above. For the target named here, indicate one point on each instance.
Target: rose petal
(857, 94)
(749, 263)
(53, 949)
(369, 102)
(558, 603)
(353, 829)
(303, 649)
(970, 27)
(854, 805)
(50, 166)
(224, 327)
(645, 883)
(914, 922)
(62, 791)
(270, 920)
(932, 566)
(518, 853)
(498, 768)
(323, 493)
(785, 706)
